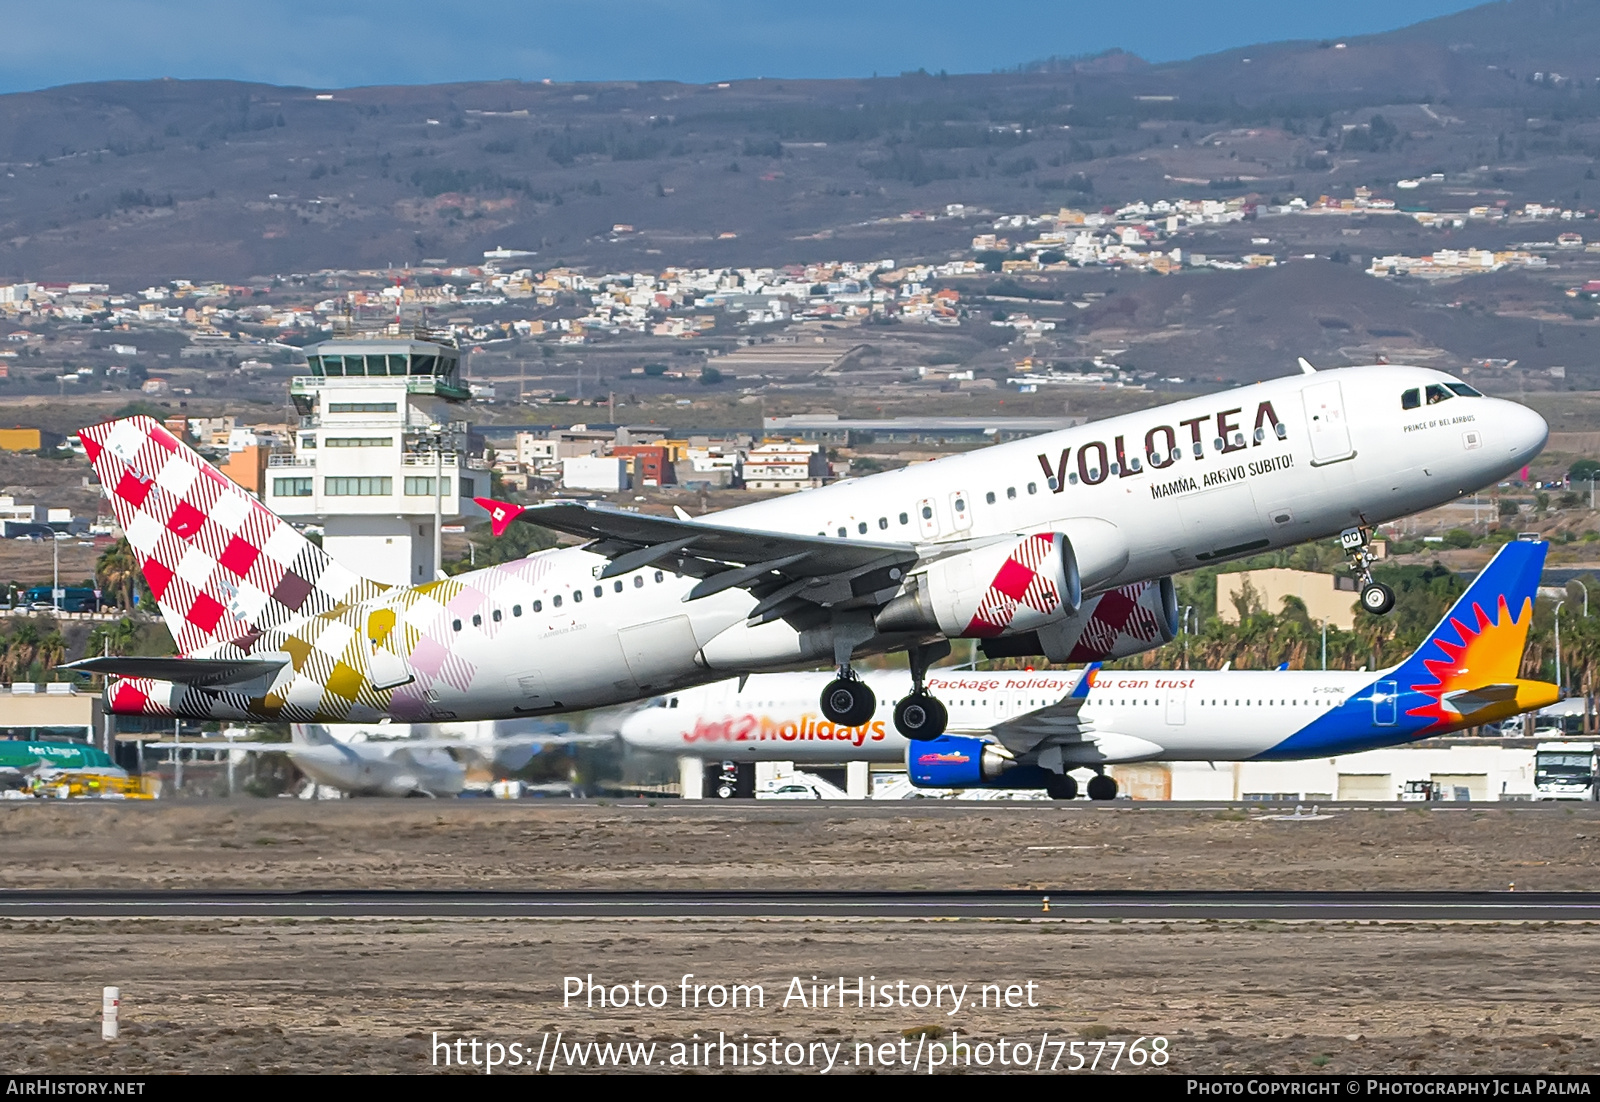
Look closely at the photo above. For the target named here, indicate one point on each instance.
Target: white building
(1465, 769)
(377, 455)
(785, 466)
(609, 474)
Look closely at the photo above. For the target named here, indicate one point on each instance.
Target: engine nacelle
(954, 761)
(1121, 622)
(1006, 588)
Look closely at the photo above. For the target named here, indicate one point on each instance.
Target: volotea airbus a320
(1048, 546)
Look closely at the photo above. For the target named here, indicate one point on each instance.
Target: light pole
(437, 432)
(1560, 688)
(1580, 585)
(1324, 644)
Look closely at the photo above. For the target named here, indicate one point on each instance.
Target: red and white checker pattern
(216, 560)
(1019, 586)
(1120, 622)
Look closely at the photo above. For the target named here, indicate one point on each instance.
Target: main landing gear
(846, 700)
(1064, 786)
(920, 716)
(1376, 597)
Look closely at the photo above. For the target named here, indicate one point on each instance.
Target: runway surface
(1051, 905)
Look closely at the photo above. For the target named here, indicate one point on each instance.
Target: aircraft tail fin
(310, 734)
(219, 564)
(1481, 639)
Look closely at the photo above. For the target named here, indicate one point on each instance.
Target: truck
(1564, 771)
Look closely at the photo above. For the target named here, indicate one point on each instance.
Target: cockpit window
(1411, 399)
(1437, 394)
(1464, 390)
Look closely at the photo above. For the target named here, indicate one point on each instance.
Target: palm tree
(117, 571)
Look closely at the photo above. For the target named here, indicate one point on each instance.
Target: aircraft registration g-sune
(1033, 729)
(1049, 546)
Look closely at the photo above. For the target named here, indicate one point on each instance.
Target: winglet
(501, 513)
(1085, 683)
(1305, 366)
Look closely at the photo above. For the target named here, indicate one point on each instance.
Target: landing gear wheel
(920, 717)
(1102, 787)
(848, 701)
(1377, 598)
(1064, 787)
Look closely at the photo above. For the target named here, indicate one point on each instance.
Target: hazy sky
(340, 43)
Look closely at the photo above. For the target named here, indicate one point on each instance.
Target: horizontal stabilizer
(1467, 701)
(182, 671)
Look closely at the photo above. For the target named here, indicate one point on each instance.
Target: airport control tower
(380, 460)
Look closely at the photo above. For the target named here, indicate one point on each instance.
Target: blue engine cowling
(956, 761)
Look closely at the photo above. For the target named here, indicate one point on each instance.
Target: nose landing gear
(920, 717)
(1376, 597)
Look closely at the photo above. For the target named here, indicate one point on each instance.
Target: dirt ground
(251, 843)
(369, 996)
(289, 995)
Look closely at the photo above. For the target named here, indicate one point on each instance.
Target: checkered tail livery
(219, 564)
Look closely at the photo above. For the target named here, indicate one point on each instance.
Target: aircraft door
(960, 511)
(1385, 703)
(1330, 432)
(1177, 706)
(928, 518)
(386, 667)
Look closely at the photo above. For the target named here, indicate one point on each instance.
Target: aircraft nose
(1524, 431)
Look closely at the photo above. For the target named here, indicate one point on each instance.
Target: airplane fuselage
(1139, 496)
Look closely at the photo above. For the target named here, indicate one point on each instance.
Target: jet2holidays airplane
(1022, 545)
(1031, 730)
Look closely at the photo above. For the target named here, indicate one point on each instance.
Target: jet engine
(1115, 624)
(952, 761)
(1003, 589)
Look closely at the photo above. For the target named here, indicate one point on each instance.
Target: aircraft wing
(1054, 723)
(184, 671)
(781, 568)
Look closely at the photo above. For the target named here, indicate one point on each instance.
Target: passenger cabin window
(516, 610)
(599, 589)
(555, 602)
(862, 528)
(904, 519)
(455, 625)
(495, 616)
(616, 586)
(638, 581)
(538, 606)
(1436, 394)
(989, 497)
(883, 522)
(660, 577)
(1011, 493)
(477, 621)
(842, 532)
(1033, 487)
(577, 596)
